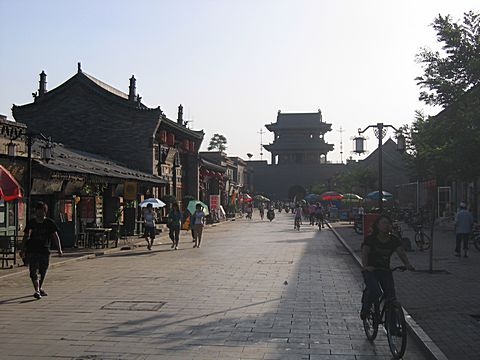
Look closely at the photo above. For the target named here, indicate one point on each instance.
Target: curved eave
(196, 134)
(323, 127)
(293, 148)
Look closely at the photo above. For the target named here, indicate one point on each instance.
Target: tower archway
(296, 193)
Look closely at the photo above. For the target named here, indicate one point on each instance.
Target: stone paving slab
(441, 302)
(254, 290)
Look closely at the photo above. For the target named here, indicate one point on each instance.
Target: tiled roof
(106, 86)
(72, 161)
(299, 121)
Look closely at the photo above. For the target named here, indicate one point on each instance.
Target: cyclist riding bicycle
(377, 250)
(319, 215)
(298, 216)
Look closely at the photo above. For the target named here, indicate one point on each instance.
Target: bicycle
(358, 224)
(390, 315)
(475, 238)
(296, 225)
(422, 240)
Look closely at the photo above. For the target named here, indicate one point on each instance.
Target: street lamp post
(45, 155)
(380, 130)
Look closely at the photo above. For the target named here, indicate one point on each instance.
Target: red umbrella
(331, 195)
(247, 198)
(9, 187)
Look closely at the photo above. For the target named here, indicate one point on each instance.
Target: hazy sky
(232, 64)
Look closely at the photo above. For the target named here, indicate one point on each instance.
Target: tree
(445, 146)
(357, 180)
(318, 188)
(449, 75)
(218, 142)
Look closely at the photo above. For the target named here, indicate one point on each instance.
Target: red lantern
(163, 136)
(171, 139)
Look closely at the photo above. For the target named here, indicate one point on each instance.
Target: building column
(273, 158)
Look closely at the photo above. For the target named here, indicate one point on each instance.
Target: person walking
(311, 212)
(174, 222)
(261, 209)
(198, 219)
(150, 218)
(39, 233)
(463, 229)
(298, 217)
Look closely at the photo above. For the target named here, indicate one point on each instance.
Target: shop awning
(9, 187)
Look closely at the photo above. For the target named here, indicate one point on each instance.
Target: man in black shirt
(39, 233)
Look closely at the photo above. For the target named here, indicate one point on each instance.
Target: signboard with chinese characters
(214, 202)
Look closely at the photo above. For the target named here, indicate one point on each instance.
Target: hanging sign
(214, 202)
(130, 190)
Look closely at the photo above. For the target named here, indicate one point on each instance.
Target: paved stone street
(254, 290)
(442, 303)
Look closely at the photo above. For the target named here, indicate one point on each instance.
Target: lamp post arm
(391, 126)
(368, 127)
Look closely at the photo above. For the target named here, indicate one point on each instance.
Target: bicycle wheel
(396, 331)
(358, 229)
(419, 240)
(427, 241)
(476, 242)
(370, 324)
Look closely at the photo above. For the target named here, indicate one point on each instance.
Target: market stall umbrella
(156, 203)
(312, 197)
(9, 187)
(247, 198)
(331, 195)
(374, 195)
(352, 197)
(261, 198)
(192, 204)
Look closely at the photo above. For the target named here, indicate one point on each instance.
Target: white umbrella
(156, 203)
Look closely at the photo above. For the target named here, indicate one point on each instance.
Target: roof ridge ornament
(79, 67)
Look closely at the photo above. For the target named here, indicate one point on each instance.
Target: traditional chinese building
(299, 139)
(299, 157)
(86, 114)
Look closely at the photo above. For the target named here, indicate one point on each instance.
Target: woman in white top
(198, 219)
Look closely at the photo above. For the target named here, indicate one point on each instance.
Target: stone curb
(99, 253)
(427, 344)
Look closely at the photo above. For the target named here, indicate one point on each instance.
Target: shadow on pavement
(311, 310)
(14, 300)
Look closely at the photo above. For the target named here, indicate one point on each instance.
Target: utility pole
(341, 144)
(261, 132)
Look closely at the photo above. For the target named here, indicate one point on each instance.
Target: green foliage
(319, 188)
(93, 189)
(449, 74)
(218, 142)
(358, 180)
